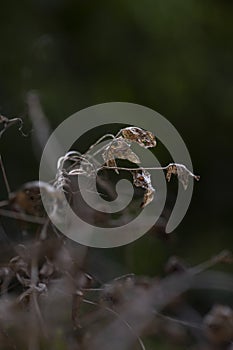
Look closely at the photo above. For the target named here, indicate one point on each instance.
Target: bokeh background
(172, 56)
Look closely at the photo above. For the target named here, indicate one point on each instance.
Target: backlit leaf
(182, 173)
(142, 137)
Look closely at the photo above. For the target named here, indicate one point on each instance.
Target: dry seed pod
(144, 138)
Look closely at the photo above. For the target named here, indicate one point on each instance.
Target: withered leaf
(119, 148)
(148, 197)
(142, 137)
(182, 173)
(142, 178)
(110, 160)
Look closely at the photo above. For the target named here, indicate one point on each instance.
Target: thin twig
(120, 318)
(149, 168)
(33, 337)
(4, 203)
(5, 177)
(36, 316)
(22, 216)
(175, 320)
(97, 142)
(223, 255)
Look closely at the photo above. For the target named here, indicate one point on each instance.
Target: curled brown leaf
(142, 178)
(119, 148)
(142, 137)
(182, 173)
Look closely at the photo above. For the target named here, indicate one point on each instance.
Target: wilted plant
(120, 148)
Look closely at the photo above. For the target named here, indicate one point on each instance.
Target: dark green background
(174, 56)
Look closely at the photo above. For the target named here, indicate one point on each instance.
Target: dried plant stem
(7, 123)
(34, 336)
(36, 319)
(132, 169)
(5, 177)
(4, 203)
(221, 257)
(97, 142)
(175, 320)
(22, 216)
(121, 319)
(167, 167)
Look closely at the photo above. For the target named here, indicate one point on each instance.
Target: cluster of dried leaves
(28, 202)
(120, 148)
